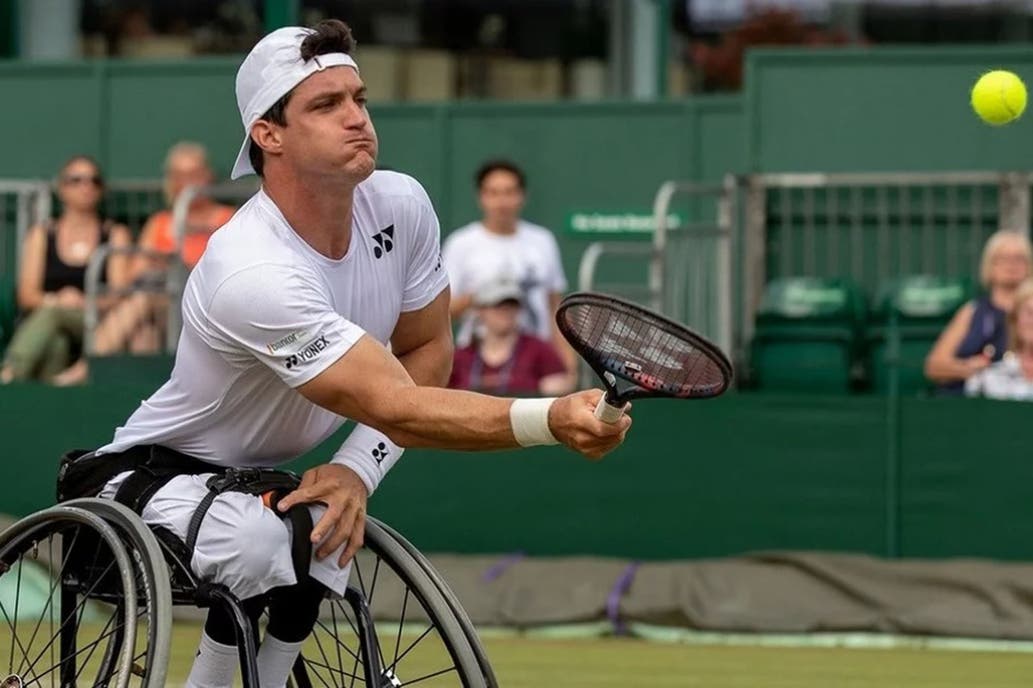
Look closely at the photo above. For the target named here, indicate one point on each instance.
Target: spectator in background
(977, 334)
(502, 360)
(137, 323)
(52, 275)
(501, 244)
(1011, 377)
(186, 164)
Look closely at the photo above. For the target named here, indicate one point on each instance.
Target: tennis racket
(640, 354)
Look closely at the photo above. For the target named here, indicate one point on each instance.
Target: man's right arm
(370, 386)
(280, 314)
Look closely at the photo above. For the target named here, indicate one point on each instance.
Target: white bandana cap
(269, 72)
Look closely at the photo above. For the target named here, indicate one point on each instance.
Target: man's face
(328, 130)
(183, 170)
(501, 197)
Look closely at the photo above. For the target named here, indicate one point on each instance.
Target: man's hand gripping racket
(639, 354)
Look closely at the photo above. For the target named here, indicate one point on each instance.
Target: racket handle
(607, 413)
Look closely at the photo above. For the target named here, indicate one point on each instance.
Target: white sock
(215, 665)
(275, 661)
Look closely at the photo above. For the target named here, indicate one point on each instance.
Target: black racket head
(639, 353)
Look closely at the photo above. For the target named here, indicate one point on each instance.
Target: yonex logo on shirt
(306, 354)
(380, 452)
(384, 241)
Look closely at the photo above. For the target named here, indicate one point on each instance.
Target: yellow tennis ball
(999, 97)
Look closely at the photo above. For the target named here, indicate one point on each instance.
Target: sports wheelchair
(87, 590)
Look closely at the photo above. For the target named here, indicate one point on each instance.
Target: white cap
(268, 73)
(498, 290)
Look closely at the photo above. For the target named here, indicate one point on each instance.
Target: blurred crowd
(506, 280)
(506, 277)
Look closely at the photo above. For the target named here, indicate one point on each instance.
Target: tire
(21, 553)
(153, 578)
(435, 610)
(457, 609)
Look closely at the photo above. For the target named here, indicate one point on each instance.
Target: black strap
(301, 539)
(199, 513)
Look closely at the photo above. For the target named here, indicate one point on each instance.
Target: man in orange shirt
(186, 164)
(137, 323)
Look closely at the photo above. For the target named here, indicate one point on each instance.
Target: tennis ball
(999, 97)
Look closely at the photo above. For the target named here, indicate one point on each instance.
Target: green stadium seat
(808, 335)
(8, 310)
(923, 305)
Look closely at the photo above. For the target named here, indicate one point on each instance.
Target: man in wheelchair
(322, 299)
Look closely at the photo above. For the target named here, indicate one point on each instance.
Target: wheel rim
(413, 647)
(65, 615)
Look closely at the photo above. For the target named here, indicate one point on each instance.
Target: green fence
(745, 472)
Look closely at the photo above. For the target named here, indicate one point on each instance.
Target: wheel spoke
(95, 645)
(17, 599)
(424, 678)
(331, 669)
(25, 653)
(373, 584)
(333, 620)
(401, 624)
(414, 644)
(50, 597)
(76, 654)
(72, 616)
(332, 634)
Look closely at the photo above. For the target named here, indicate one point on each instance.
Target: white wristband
(369, 453)
(530, 421)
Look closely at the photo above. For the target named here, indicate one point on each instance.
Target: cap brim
(242, 167)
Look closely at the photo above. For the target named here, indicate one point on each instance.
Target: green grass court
(620, 663)
(524, 662)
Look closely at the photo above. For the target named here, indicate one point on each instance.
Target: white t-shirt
(1002, 380)
(264, 312)
(530, 256)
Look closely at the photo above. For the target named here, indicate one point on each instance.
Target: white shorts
(241, 543)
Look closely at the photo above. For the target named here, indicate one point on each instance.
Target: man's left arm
(422, 342)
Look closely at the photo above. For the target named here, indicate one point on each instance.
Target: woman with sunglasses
(51, 280)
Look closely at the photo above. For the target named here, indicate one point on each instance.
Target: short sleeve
(426, 276)
(280, 315)
(557, 281)
(451, 256)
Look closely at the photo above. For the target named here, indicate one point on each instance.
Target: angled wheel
(154, 619)
(73, 604)
(418, 637)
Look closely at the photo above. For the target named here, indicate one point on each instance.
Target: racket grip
(607, 413)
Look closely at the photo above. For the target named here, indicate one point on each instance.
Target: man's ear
(267, 136)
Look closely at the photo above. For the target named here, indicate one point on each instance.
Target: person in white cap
(287, 319)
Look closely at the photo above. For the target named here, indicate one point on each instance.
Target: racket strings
(648, 353)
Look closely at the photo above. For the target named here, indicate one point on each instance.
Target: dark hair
(500, 166)
(82, 157)
(328, 36)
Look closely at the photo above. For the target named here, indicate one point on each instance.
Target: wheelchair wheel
(416, 635)
(70, 603)
(453, 602)
(154, 630)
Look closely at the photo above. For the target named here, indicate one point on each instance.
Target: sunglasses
(75, 179)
